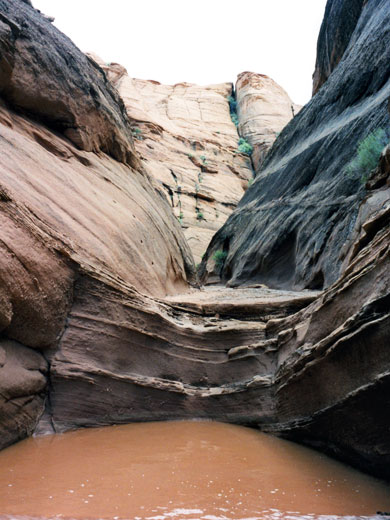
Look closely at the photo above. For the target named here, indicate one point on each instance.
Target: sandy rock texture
(333, 376)
(186, 140)
(56, 83)
(67, 213)
(124, 357)
(98, 324)
(264, 109)
(290, 227)
(22, 390)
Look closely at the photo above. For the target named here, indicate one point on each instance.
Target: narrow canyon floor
(180, 470)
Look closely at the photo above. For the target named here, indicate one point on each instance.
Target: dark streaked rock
(291, 225)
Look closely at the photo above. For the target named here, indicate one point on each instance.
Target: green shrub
(244, 146)
(203, 158)
(137, 133)
(199, 215)
(219, 258)
(368, 153)
(232, 104)
(233, 109)
(234, 119)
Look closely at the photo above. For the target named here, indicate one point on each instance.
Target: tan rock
(107, 217)
(264, 108)
(187, 141)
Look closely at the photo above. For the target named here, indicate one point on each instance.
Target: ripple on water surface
(180, 470)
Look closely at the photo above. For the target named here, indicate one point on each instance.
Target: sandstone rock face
(188, 143)
(67, 213)
(333, 375)
(22, 390)
(57, 84)
(341, 17)
(92, 257)
(264, 109)
(290, 228)
(126, 358)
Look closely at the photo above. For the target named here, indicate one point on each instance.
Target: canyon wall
(187, 141)
(291, 227)
(263, 109)
(74, 203)
(98, 324)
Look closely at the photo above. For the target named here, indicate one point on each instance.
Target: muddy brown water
(180, 470)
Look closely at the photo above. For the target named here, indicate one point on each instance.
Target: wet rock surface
(340, 19)
(338, 348)
(289, 229)
(22, 390)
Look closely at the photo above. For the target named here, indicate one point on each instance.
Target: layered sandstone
(290, 228)
(264, 109)
(187, 141)
(333, 375)
(92, 328)
(66, 213)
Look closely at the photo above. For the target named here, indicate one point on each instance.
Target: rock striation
(187, 141)
(290, 227)
(98, 324)
(54, 82)
(67, 213)
(333, 376)
(339, 23)
(264, 109)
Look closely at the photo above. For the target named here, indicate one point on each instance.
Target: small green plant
(250, 182)
(203, 158)
(190, 155)
(199, 215)
(244, 146)
(234, 118)
(232, 104)
(137, 133)
(233, 109)
(219, 258)
(368, 153)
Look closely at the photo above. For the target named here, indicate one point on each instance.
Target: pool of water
(180, 470)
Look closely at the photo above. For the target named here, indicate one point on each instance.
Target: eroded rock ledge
(90, 249)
